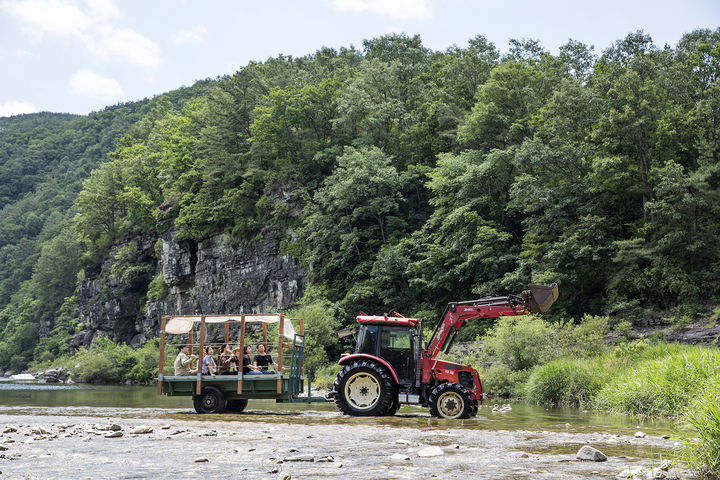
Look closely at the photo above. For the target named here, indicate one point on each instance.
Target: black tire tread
(386, 394)
(209, 390)
(436, 392)
(236, 406)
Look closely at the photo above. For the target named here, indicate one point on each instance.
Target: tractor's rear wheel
(364, 388)
(210, 400)
(450, 400)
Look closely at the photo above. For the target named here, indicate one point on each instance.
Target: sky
(79, 56)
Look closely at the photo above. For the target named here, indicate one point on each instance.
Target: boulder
(141, 430)
(591, 454)
(399, 458)
(433, 451)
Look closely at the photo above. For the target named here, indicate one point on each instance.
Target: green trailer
(231, 392)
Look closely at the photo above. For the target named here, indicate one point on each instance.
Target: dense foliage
(44, 161)
(401, 177)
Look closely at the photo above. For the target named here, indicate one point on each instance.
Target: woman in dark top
(263, 360)
(226, 360)
(249, 368)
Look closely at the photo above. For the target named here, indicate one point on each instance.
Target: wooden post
(264, 327)
(242, 353)
(281, 330)
(302, 363)
(190, 340)
(161, 364)
(227, 331)
(201, 355)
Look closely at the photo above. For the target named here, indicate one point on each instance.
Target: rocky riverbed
(268, 445)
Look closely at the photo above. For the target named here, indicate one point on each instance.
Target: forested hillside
(401, 177)
(44, 159)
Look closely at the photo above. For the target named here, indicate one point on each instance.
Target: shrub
(500, 380)
(565, 382)
(520, 343)
(325, 376)
(701, 447)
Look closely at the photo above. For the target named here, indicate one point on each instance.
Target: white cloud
(14, 107)
(125, 43)
(102, 8)
(48, 16)
(190, 36)
(89, 22)
(399, 9)
(90, 84)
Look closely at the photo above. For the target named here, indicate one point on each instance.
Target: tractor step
(408, 398)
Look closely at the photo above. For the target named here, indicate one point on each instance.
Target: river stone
(3, 448)
(115, 434)
(433, 451)
(590, 454)
(141, 429)
(308, 457)
(640, 435)
(399, 458)
(10, 429)
(202, 460)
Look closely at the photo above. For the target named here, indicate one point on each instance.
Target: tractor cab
(395, 340)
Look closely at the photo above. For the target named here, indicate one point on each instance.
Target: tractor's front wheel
(364, 388)
(450, 400)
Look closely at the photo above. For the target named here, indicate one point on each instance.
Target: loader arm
(536, 300)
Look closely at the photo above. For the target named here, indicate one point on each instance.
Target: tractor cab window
(396, 348)
(367, 339)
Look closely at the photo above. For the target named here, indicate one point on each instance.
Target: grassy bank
(569, 365)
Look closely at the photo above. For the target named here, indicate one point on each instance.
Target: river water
(526, 442)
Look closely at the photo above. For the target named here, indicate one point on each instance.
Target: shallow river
(267, 440)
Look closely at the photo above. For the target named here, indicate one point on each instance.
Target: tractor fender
(345, 358)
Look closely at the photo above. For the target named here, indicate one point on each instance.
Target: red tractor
(389, 367)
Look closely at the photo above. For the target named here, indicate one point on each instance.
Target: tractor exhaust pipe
(540, 297)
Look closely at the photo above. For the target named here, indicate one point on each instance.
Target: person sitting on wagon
(183, 362)
(208, 364)
(227, 361)
(248, 367)
(263, 360)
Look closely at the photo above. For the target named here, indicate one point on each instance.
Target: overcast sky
(81, 55)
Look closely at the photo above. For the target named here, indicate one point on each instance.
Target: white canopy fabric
(180, 324)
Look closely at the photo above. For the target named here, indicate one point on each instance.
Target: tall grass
(636, 378)
(565, 382)
(660, 386)
(701, 447)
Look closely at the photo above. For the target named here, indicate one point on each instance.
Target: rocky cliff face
(216, 275)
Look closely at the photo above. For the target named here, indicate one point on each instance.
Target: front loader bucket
(541, 297)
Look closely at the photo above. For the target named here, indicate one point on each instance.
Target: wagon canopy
(179, 324)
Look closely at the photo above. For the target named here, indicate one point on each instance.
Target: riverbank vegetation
(560, 364)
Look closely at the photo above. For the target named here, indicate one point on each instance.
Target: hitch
(540, 297)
